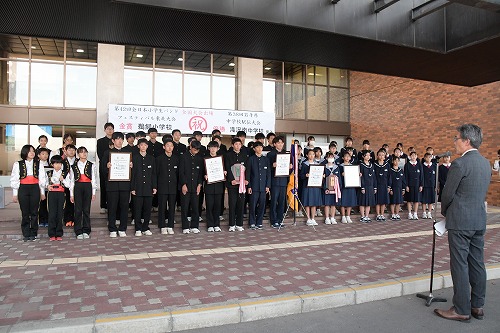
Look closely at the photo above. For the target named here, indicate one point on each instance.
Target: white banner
(133, 118)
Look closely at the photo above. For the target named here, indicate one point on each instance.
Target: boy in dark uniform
(103, 146)
(155, 148)
(167, 173)
(179, 147)
(213, 195)
(58, 181)
(278, 184)
(191, 178)
(143, 187)
(118, 192)
(270, 141)
(258, 173)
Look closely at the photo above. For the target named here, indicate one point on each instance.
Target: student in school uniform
(190, 181)
(68, 139)
(444, 167)
(318, 155)
(381, 167)
(311, 141)
(130, 137)
(332, 148)
(312, 196)
(27, 180)
(155, 149)
(42, 143)
(278, 184)
(179, 147)
(368, 186)
(69, 207)
(143, 186)
(214, 193)
(270, 141)
(348, 142)
(397, 186)
(353, 158)
(331, 196)
(434, 159)
(414, 185)
(258, 173)
(216, 134)
(429, 186)
(43, 213)
(403, 155)
(366, 147)
(349, 197)
(102, 147)
(235, 190)
(58, 179)
(167, 174)
(118, 192)
(83, 189)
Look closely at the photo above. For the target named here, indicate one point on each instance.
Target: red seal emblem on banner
(198, 123)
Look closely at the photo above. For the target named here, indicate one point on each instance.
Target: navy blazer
(258, 173)
(414, 176)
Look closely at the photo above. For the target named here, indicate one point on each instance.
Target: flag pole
(294, 179)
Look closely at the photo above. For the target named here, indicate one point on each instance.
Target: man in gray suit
(463, 206)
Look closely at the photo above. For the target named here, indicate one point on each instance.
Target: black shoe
(33, 238)
(260, 227)
(25, 239)
(276, 225)
(253, 227)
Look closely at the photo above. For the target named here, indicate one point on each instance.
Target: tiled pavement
(73, 279)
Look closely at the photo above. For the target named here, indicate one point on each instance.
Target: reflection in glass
(294, 72)
(196, 91)
(224, 64)
(316, 75)
(14, 82)
(272, 69)
(223, 92)
(166, 58)
(139, 56)
(13, 138)
(273, 97)
(338, 77)
(47, 49)
(294, 101)
(47, 84)
(317, 102)
(339, 104)
(168, 88)
(197, 62)
(138, 87)
(81, 86)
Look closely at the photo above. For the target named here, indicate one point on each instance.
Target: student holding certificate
(279, 183)
(258, 172)
(214, 192)
(312, 196)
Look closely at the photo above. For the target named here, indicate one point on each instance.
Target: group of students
(386, 180)
(57, 187)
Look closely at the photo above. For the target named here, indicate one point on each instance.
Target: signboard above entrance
(133, 118)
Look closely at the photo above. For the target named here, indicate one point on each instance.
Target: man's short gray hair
(471, 132)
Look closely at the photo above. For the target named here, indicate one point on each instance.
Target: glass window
(294, 107)
(316, 75)
(338, 77)
(196, 91)
(223, 92)
(197, 62)
(294, 72)
(84, 136)
(339, 104)
(47, 84)
(14, 46)
(139, 56)
(171, 59)
(12, 138)
(81, 86)
(224, 64)
(272, 69)
(47, 49)
(138, 87)
(273, 97)
(168, 88)
(317, 102)
(14, 82)
(54, 134)
(81, 51)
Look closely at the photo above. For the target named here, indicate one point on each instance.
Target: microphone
(448, 153)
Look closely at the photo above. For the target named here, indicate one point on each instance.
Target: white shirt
(81, 168)
(465, 152)
(56, 179)
(15, 182)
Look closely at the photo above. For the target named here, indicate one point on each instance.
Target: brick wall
(387, 109)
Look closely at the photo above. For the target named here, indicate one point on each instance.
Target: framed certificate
(214, 167)
(282, 165)
(351, 176)
(120, 166)
(316, 173)
(402, 162)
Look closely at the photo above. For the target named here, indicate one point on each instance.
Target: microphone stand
(430, 298)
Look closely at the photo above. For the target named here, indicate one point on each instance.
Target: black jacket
(191, 171)
(230, 159)
(167, 173)
(143, 175)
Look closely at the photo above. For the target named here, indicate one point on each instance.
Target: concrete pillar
(250, 87)
(110, 73)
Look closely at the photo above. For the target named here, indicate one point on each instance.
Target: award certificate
(351, 176)
(316, 173)
(120, 166)
(402, 162)
(282, 165)
(215, 169)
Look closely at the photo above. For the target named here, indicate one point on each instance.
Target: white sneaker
(232, 228)
(344, 220)
(327, 221)
(429, 216)
(195, 230)
(103, 211)
(217, 229)
(86, 236)
(80, 236)
(415, 216)
(210, 229)
(332, 220)
(163, 231)
(200, 219)
(424, 215)
(410, 216)
(185, 231)
(138, 233)
(189, 218)
(238, 228)
(349, 219)
(122, 234)
(133, 222)
(299, 214)
(147, 233)
(170, 231)
(221, 218)
(309, 222)
(318, 212)
(112, 234)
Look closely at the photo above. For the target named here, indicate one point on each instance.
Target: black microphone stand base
(430, 298)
